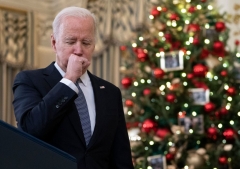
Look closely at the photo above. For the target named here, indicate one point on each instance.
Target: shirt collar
(84, 78)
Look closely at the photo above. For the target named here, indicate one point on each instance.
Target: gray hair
(75, 12)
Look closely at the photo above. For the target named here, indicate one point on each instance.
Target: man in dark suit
(46, 101)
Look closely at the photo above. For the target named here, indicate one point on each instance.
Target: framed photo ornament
(200, 96)
(196, 123)
(157, 162)
(172, 61)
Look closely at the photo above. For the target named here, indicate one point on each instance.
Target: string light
(151, 17)
(135, 83)
(220, 125)
(141, 38)
(229, 98)
(134, 94)
(158, 55)
(183, 10)
(159, 8)
(134, 45)
(207, 26)
(238, 55)
(142, 81)
(194, 113)
(231, 122)
(174, 24)
(199, 7)
(162, 87)
(184, 74)
(129, 113)
(151, 143)
(149, 81)
(161, 34)
(210, 7)
(207, 41)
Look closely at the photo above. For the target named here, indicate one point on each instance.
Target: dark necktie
(82, 108)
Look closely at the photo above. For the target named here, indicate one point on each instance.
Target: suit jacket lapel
(52, 76)
(99, 105)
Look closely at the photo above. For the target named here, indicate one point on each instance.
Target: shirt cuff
(70, 84)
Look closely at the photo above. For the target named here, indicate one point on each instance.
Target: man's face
(75, 36)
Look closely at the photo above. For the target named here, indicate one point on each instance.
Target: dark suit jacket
(44, 107)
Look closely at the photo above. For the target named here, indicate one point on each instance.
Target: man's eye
(70, 42)
(86, 43)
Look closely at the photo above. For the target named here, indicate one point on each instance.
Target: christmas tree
(181, 89)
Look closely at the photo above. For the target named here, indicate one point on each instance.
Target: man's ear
(53, 42)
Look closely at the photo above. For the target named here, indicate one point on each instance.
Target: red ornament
(218, 49)
(218, 45)
(220, 26)
(222, 160)
(155, 12)
(204, 53)
(203, 1)
(229, 134)
(195, 41)
(190, 76)
(146, 92)
(193, 28)
(192, 9)
(126, 82)
(168, 37)
(198, 84)
(169, 156)
(174, 16)
(164, 9)
(170, 97)
(132, 124)
(200, 70)
(224, 73)
(212, 133)
(162, 133)
(223, 111)
(209, 107)
(142, 56)
(129, 103)
(237, 42)
(158, 73)
(148, 126)
(123, 48)
(231, 91)
(175, 45)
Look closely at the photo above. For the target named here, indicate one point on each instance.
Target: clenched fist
(76, 67)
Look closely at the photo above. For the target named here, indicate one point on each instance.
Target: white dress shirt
(86, 87)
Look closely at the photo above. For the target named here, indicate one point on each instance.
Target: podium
(19, 150)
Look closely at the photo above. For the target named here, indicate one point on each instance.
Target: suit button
(57, 106)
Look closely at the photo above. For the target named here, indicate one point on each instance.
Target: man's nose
(78, 49)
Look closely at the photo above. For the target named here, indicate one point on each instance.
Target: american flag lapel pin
(102, 87)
